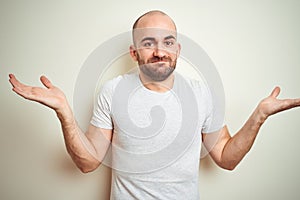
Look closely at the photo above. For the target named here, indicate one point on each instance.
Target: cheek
(144, 54)
(173, 57)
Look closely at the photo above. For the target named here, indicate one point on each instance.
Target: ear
(133, 52)
(179, 49)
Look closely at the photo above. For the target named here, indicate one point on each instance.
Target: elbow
(230, 166)
(228, 163)
(85, 164)
(86, 170)
(88, 167)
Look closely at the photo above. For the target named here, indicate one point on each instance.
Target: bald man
(148, 163)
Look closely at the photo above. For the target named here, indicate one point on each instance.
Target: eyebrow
(170, 37)
(148, 38)
(153, 39)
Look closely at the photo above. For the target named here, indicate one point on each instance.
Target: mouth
(160, 64)
(159, 60)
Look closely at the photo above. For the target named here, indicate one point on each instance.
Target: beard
(156, 68)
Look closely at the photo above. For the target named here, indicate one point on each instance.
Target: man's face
(155, 46)
(156, 51)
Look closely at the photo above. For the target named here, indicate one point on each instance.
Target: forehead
(155, 33)
(154, 25)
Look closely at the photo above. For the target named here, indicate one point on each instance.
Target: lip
(160, 62)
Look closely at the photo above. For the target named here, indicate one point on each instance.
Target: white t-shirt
(155, 151)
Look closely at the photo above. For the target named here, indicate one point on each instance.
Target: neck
(157, 86)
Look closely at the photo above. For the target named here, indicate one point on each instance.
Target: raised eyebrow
(148, 38)
(170, 37)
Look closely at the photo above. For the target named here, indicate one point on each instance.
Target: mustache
(159, 59)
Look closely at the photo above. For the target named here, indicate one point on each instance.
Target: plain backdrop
(255, 46)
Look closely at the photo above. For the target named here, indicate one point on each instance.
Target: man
(156, 50)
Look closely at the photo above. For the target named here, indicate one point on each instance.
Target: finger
(14, 81)
(275, 92)
(18, 87)
(46, 82)
(11, 75)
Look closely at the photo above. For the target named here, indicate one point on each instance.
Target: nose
(159, 51)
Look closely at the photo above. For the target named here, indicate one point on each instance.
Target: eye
(148, 44)
(169, 43)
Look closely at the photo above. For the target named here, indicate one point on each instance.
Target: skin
(159, 55)
(87, 151)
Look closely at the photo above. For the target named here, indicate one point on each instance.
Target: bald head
(155, 45)
(154, 19)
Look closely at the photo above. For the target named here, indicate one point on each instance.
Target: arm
(228, 151)
(86, 150)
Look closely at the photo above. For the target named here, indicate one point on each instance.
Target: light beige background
(254, 44)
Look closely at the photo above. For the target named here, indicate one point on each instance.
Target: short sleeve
(102, 108)
(214, 121)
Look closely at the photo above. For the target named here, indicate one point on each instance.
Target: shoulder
(199, 86)
(109, 86)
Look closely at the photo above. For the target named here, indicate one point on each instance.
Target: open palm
(272, 105)
(50, 96)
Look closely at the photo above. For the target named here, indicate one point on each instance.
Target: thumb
(275, 92)
(46, 82)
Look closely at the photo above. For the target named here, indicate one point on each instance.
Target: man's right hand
(50, 96)
(86, 149)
